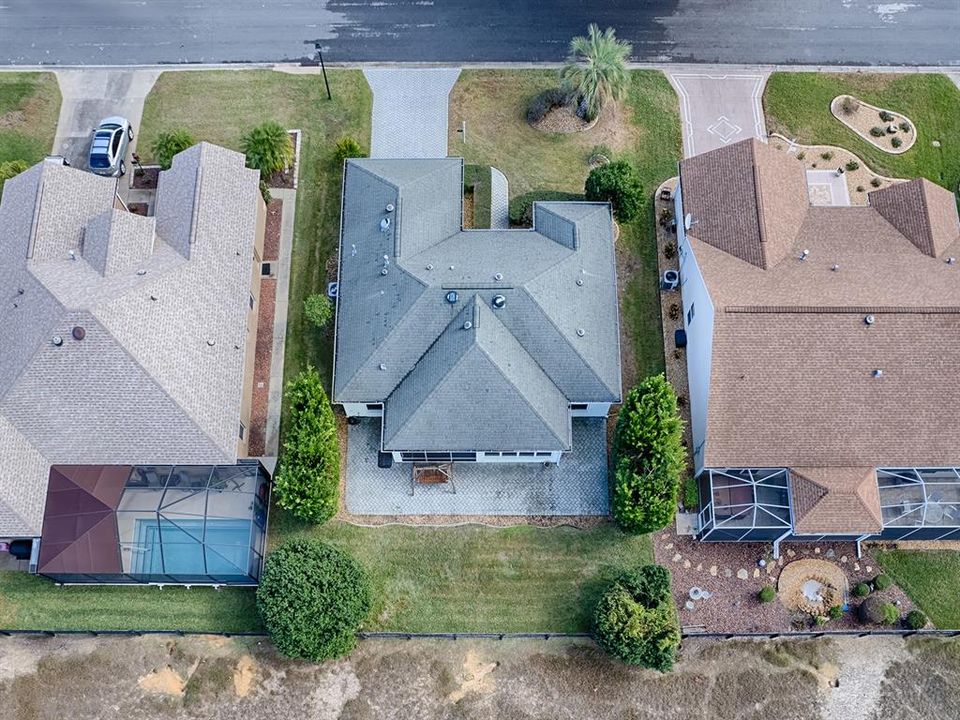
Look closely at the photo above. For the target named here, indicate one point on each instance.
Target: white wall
(699, 335)
(592, 410)
(361, 410)
(554, 457)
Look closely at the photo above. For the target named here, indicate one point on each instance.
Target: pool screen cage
(744, 504)
(192, 524)
(920, 503)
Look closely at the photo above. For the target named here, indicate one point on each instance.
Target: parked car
(109, 147)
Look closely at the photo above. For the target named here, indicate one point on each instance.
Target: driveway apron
(719, 109)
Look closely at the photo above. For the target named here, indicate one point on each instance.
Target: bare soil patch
(148, 179)
(12, 119)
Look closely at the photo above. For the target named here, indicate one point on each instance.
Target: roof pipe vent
(57, 340)
(498, 277)
(870, 319)
(951, 260)
(467, 325)
(78, 333)
(385, 225)
(451, 297)
(804, 254)
(835, 268)
(878, 373)
(581, 332)
(499, 301)
(390, 207)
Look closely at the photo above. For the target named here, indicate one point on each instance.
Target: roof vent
(211, 342)
(430, 266)
(951, 260)
(579, 282)
(467, 325)
(835, 268)
(878, 373)
(390, 207)
(804, 253)
(869, 319)
(57, 340)
(141, 272)
(385, 224)
(72, 254)
(153, 297)
(383, 271)
(499, 301)
(581, 332)
(498, 276)
(78, 333)
(451, 297)
(383, 366)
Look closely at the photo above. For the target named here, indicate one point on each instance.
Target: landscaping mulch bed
(261, 367)
(563, 119)
(286, 178)
(271, 240)
(148, 179)
(139, 208)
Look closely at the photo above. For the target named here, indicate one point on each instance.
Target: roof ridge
(758, 194)
(17, 514)
(842, 309)
(108, 514)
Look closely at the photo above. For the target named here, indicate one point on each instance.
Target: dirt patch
(243, 676)
(12, 119)
(164, 680)
(477, 677)
(271, 234)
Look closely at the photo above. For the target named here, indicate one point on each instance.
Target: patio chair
(433, 474)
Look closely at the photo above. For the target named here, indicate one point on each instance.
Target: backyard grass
(797, 105)
(644, 129)
(481, 579)
(220, 106)
(33, 603)
(29, 107)
(931, 579)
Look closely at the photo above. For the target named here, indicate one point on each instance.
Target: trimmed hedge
(619, 184)
(636, 620)
(882, 582)
(307, 481)
(649, 457)
(313, 598)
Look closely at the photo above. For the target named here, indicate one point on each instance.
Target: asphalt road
(917, 32)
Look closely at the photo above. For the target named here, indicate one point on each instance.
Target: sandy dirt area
(206, 677)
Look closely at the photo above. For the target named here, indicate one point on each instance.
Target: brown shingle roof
(925, 213)
(746, 199)
(835, 500)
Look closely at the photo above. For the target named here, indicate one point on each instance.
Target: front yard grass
(481, 579)
(644, 129)
(219, 106)
(930, 578)
(797, 105)
(29, 108)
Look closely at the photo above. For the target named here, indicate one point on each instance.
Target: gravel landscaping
(862, 118)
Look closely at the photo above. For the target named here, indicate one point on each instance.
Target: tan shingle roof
(835, 500)
(925, 213)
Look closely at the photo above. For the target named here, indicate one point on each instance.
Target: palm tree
(596, 70)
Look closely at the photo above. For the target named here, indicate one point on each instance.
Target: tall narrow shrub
(268, 148)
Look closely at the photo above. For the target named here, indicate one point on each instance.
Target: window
(117, 137)
(373, 406)
(526, 454)
(253, 301)
(243, 431)
(265, 269)
(578, 406)
(691, 312)
(544, 454)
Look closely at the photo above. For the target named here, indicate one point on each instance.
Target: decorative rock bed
(881, 128)
(812, 586)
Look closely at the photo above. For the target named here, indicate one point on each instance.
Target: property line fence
(793, 635)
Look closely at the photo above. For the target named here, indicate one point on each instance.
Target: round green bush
(766, 594)
(617, 183)
(168, 144)
(916, 620)
(313, 598)
(650, 457)
(882, 582)
(319, 309)
(835, 612)
(886, 115)
(852, 165)
(877, 131)
(629, 626)
(875, 610)
(896, 142)
(891, 613)
(861, 590)
(268, 148)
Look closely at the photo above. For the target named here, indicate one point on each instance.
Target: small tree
(348, 147)
(617, 183)
(596, 69)
(168, 144)
(318, 309)
(268, 148)
(307, 481)
(313, 599)
(636, 621)
(648, 449)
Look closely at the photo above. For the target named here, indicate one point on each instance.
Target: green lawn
(29, 107)
(220, 106)
(644, 129)
(480, 579)
(931, 578)
(32, 603)
(797, 105)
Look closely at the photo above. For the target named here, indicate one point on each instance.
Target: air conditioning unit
(670, 280)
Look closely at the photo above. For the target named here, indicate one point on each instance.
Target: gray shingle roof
(143, 385)
(558, 280)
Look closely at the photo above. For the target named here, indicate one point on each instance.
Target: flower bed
(884, 129)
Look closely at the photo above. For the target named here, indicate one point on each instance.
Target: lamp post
(323, 69)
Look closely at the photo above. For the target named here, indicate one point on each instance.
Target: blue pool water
(226, 547)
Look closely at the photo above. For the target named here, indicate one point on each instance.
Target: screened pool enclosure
(166, 524)
(744, 504)
(920, 503)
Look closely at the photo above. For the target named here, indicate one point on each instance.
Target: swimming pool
(167, 548)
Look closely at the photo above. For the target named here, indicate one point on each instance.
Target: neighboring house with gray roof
(822, 352)
(124, 339)
(472, 345)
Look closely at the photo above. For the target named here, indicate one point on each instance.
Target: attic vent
(141, 272)
(835, 268)
(383, 366)
(451, 297)
(390, 207)
(211, 343)
(57, 340)
(498, 276)
(499, 301)
(870, 319)
(467, 325)
(78, 333)
(385, 224)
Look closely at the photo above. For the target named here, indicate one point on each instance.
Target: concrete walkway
(717, 110)
(272, 441)
(410, 111)
(91, 95)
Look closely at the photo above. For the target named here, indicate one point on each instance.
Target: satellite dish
(687, 221)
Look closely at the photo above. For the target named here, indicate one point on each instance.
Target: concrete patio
(577, 486)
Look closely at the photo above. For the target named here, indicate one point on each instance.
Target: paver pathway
(91, 95)
(410, 111)
(717, 110)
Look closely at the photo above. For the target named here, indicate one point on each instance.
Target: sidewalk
(410, 111)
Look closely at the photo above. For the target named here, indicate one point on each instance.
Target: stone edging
(898, 118)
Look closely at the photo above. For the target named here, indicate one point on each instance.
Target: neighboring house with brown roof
(124, 340)
(822, 352)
